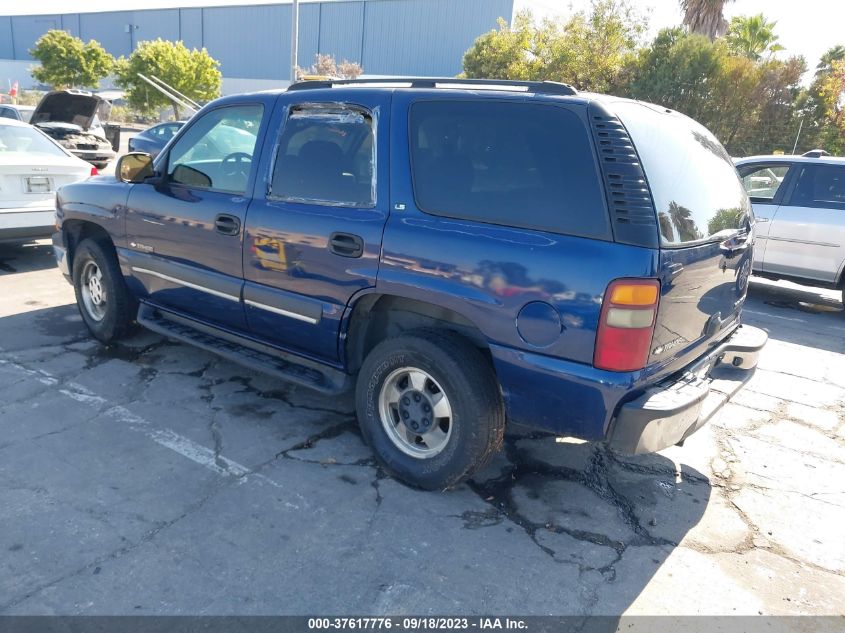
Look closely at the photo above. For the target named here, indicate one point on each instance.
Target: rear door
(765, 183)
(704, 218)
(184, 234)
(314, 230)
(807, 238)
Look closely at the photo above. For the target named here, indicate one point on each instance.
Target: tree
(749, 106)
(326, 66)
(833, 54)
(67, 61)
(752, 36)
(705, 17)
(192, 72)
(832, 93)
(589, 50)
(509, 52)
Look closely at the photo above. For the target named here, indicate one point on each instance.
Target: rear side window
(762, 182)
(696, 189)
(516, 164)
(820, 186)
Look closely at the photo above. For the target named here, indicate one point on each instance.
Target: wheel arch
(77, 230)
(375, 316)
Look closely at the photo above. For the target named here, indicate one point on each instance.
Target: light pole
(294, 39)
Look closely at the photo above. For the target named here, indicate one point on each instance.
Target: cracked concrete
(150, 477)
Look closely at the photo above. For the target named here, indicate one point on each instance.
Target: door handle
(761, 220)
(346, 244)
(227, 224)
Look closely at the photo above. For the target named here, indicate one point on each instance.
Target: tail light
(627, 322)
(94, 171)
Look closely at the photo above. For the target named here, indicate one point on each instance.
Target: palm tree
(834, 54)
(751, 36)
(705, 17)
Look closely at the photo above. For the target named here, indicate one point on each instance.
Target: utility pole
(294, 39)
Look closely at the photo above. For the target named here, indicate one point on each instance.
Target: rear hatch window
(703, 215)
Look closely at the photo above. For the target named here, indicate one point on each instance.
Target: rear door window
(820, 185)
(517, 164)
(696, 189)
(763, 182)
(326, 156)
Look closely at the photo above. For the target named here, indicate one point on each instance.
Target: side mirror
(134, 167)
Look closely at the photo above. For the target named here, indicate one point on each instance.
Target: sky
(806, 28)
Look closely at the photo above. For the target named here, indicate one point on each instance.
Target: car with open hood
(32, 168)
(72, 119)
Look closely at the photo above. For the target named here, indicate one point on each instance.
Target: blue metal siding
(340, 30)
(418, 37)
(309, 33)
(26, 29)
(109, 29)
(190, 27)
(415, 37)
(161, 23)
(7, 50)
(70, 23)
(251, 42)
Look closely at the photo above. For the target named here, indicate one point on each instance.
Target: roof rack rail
(544, 87)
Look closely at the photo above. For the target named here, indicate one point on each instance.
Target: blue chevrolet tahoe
(461, 253)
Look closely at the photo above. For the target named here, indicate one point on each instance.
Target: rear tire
(102, 297)
(429, 405)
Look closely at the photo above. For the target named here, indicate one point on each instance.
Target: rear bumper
(25, 224)
(671, 411)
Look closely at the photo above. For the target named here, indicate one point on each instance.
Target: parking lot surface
(154, 478)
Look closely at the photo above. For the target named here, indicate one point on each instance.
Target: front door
(313, 232)
(807, 238)
(184, 233)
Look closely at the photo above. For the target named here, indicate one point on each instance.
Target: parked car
(32, 167)
(459, 253)
(17, 112)
(70, 117)
(153, 139)
(799, 206)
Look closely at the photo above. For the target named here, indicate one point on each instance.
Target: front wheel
(101, 294)
(429, 405)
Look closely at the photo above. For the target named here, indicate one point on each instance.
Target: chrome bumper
(670, 412)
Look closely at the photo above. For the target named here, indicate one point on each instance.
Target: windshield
(16, 138)
(697, 191)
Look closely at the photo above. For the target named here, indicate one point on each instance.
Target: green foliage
(751, 100)
(748, 105)
(68, 62)
(192, 72)
(752, 36)
(589, 50)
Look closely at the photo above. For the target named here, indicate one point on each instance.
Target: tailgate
(704, 219)
(702, 291)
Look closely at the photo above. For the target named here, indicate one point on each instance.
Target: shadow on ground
(26, 257)
(574, 522)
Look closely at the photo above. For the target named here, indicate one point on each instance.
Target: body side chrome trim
(187, 284)
(292, 315)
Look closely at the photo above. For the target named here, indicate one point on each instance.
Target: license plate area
(37, 184)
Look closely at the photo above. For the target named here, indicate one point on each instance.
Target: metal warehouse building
(252, 42)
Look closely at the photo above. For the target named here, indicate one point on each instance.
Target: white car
(799, 207)
(32, 167)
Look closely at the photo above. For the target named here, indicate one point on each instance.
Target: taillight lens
(626, 326)
(94, 171)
